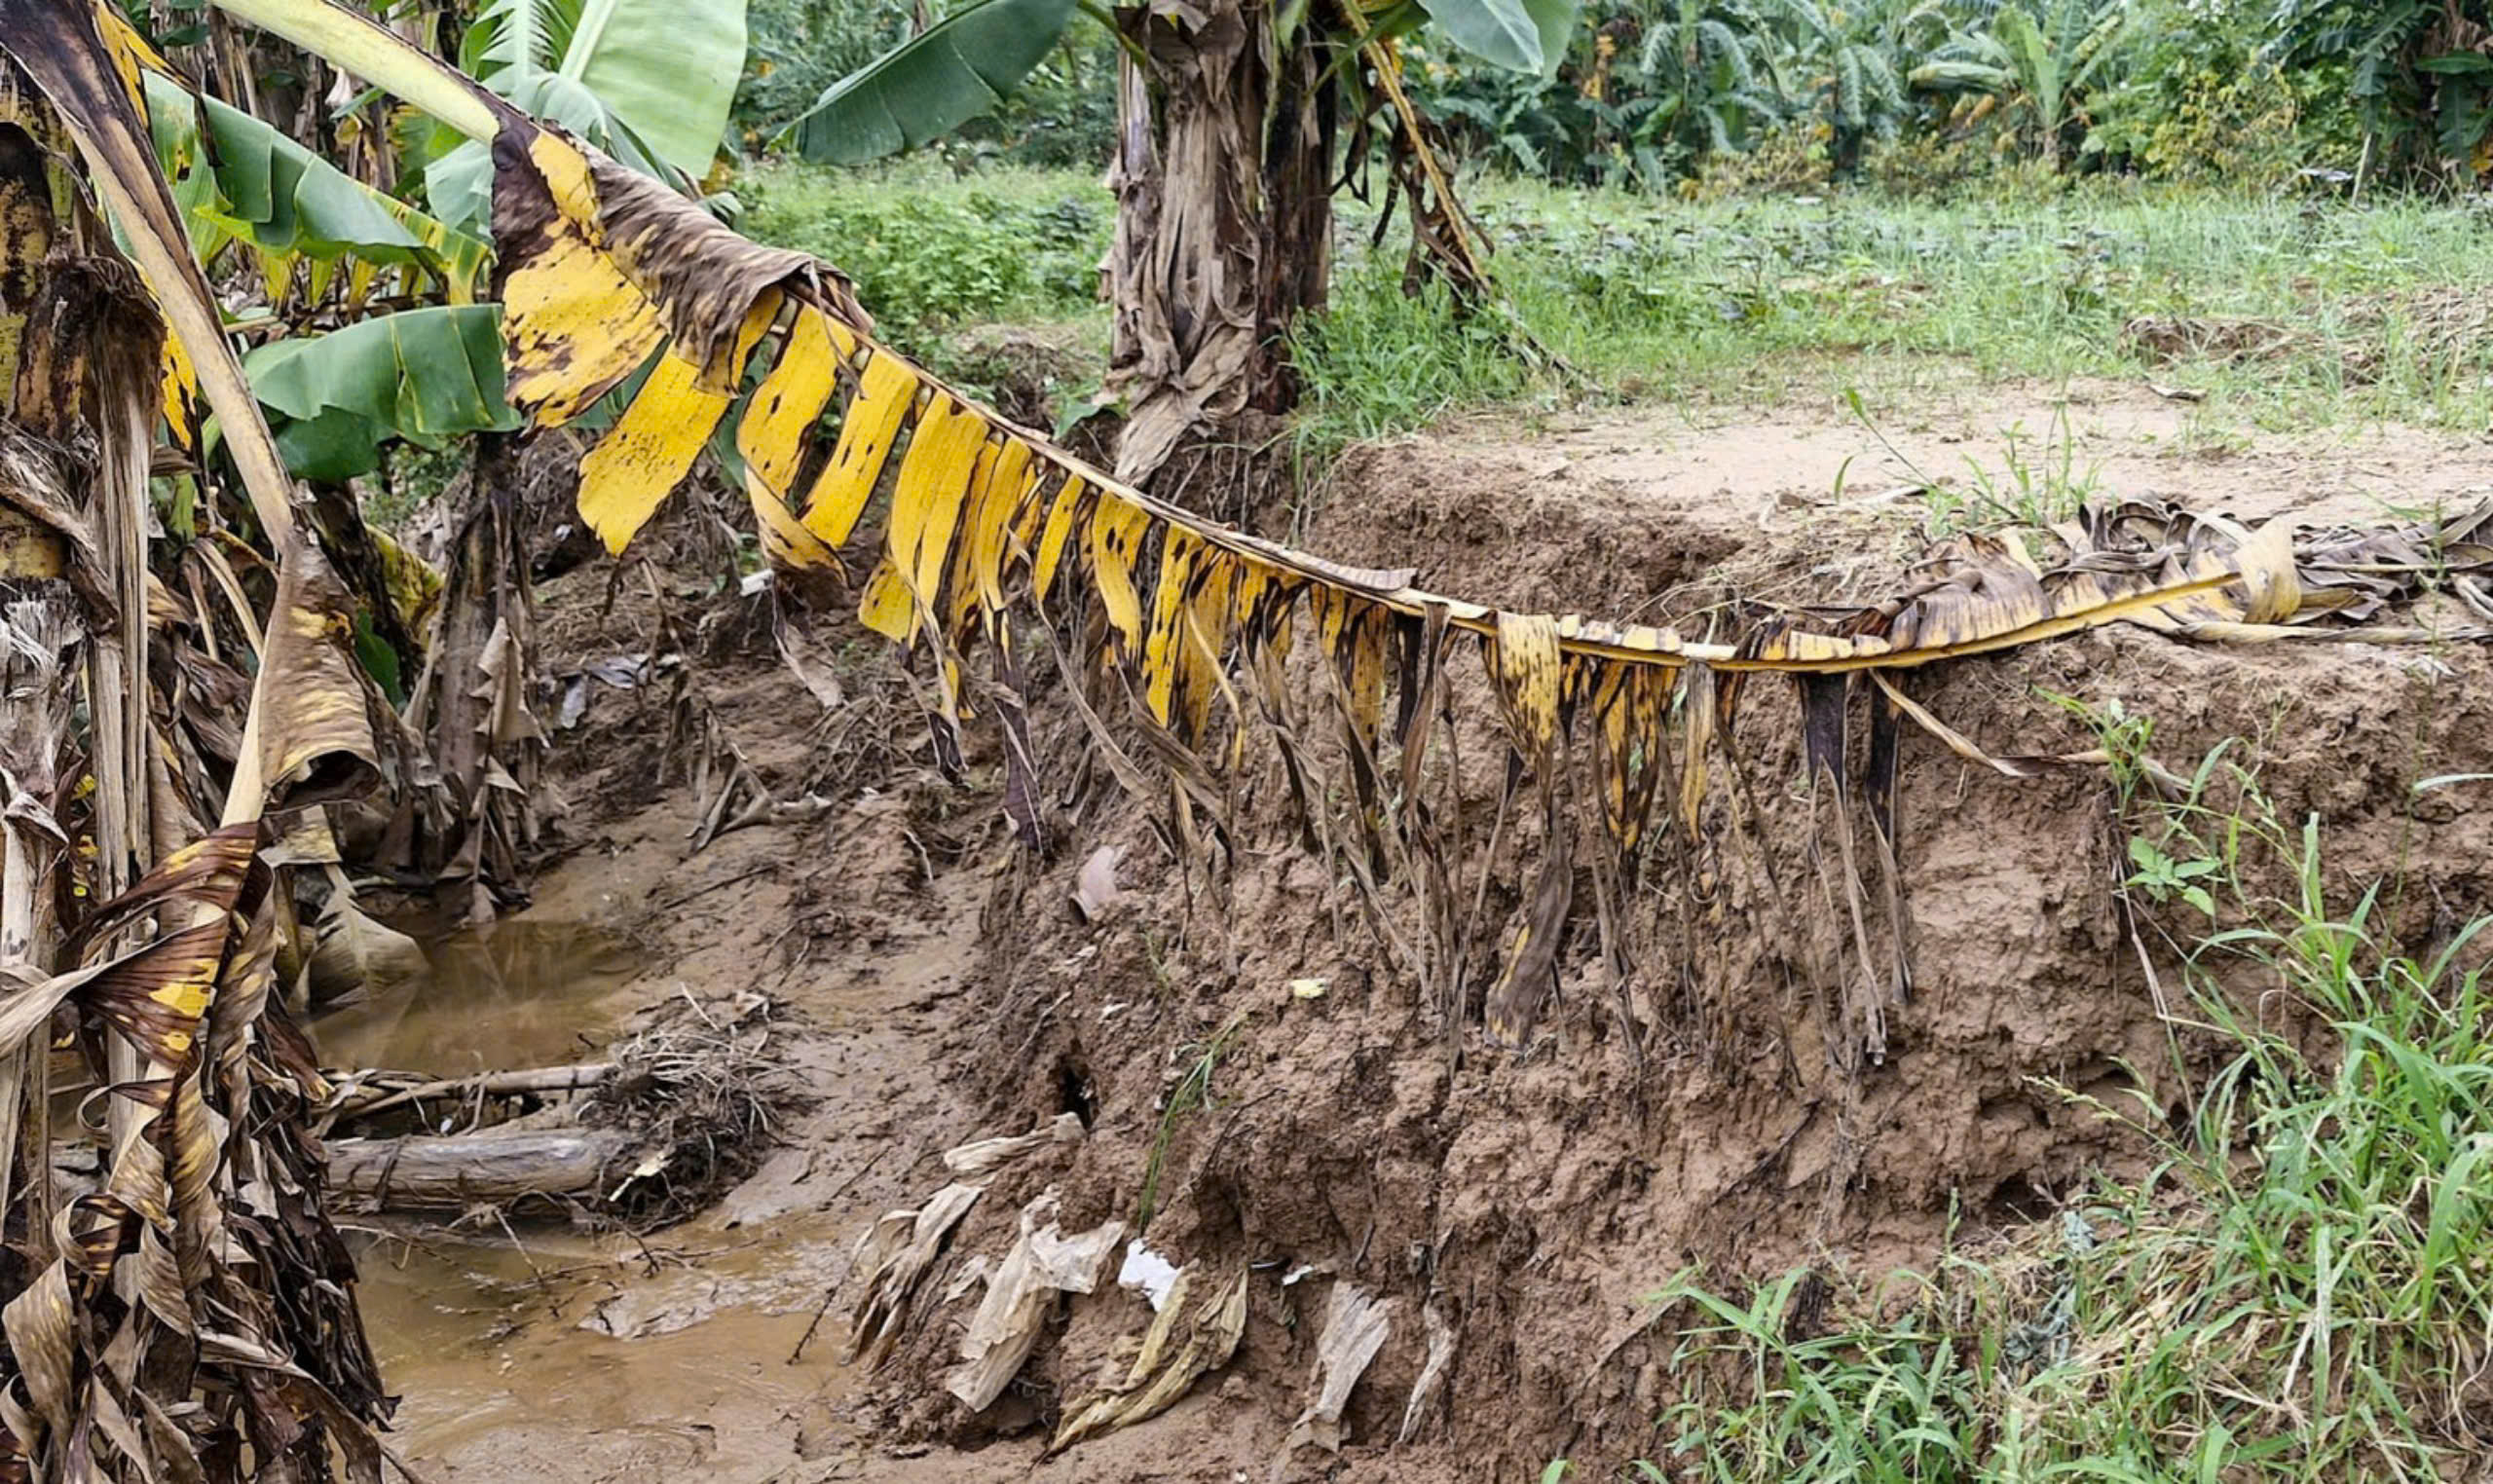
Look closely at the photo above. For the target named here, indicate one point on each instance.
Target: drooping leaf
(604, 273)
(1504, 34)
(423, 375)
(245, 180)
(958, 70)
(312, 728)
(460, 183)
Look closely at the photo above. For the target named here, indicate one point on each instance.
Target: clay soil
(929, 983)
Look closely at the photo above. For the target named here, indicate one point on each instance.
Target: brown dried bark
(472, 821)
(1223, 178)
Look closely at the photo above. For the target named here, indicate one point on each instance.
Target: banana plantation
(1462, 752)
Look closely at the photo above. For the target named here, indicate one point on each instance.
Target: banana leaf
(1522, 35)
(242, 180)
(650, 81)
(958, 70)
(423, 375)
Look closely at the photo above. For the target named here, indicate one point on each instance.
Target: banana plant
(967, 65)
(2044, 56)
(1709, 65)
(331, 400)
(1854, 58)
(648, 81)
(2415, 70)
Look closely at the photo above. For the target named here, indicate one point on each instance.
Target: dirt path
(929, 988)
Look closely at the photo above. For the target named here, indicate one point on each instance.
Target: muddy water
(521, 993)
(530, 1351)
(564, 1356)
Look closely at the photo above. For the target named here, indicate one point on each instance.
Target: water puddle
(536, 1352)
(518, 994)
(565, 1357)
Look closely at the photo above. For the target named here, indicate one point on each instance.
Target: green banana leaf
(243, 180)
(961, 67)
(1522, 35)
(666, 69)
(649, 81)
(1556, 22)
(425, 375)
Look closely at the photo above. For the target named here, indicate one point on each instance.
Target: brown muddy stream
(524, 1348)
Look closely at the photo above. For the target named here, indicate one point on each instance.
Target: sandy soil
(931, 984)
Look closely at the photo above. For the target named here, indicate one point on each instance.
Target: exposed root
(701, 1092)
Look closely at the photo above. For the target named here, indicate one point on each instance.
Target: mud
(937, 986)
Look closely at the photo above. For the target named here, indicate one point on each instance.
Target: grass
(1199, 1060)
(2301, 1289)
(1751, 301)
(1758, 300)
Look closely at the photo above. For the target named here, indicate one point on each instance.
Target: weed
(2033, 493)
(1192, 1094)
(2167, 880)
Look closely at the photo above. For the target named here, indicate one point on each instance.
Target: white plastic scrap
(1148, 1274)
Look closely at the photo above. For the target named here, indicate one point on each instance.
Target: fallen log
(464, 1169)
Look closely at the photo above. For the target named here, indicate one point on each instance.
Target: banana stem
(371, 52)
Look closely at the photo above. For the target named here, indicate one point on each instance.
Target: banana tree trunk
(110, 898)
(471, 703)
(1224, 179)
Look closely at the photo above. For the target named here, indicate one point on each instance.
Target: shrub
(937, 252)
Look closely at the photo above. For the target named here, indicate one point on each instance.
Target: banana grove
(191, 1317)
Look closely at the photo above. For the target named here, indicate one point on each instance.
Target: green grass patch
(2313, 312)
(2283, 313)
(2302, 1289)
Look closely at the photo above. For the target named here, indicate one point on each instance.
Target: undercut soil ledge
(931, 984)
(1537, 1201)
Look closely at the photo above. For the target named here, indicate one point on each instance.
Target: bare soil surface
(930, 983)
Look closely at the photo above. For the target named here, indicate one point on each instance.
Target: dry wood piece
(466, 1168)
(1356, 1322)
(364, 1098)
(1194, 1333)
(894, 1255)
(1423, 1391)
(986, 1156)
